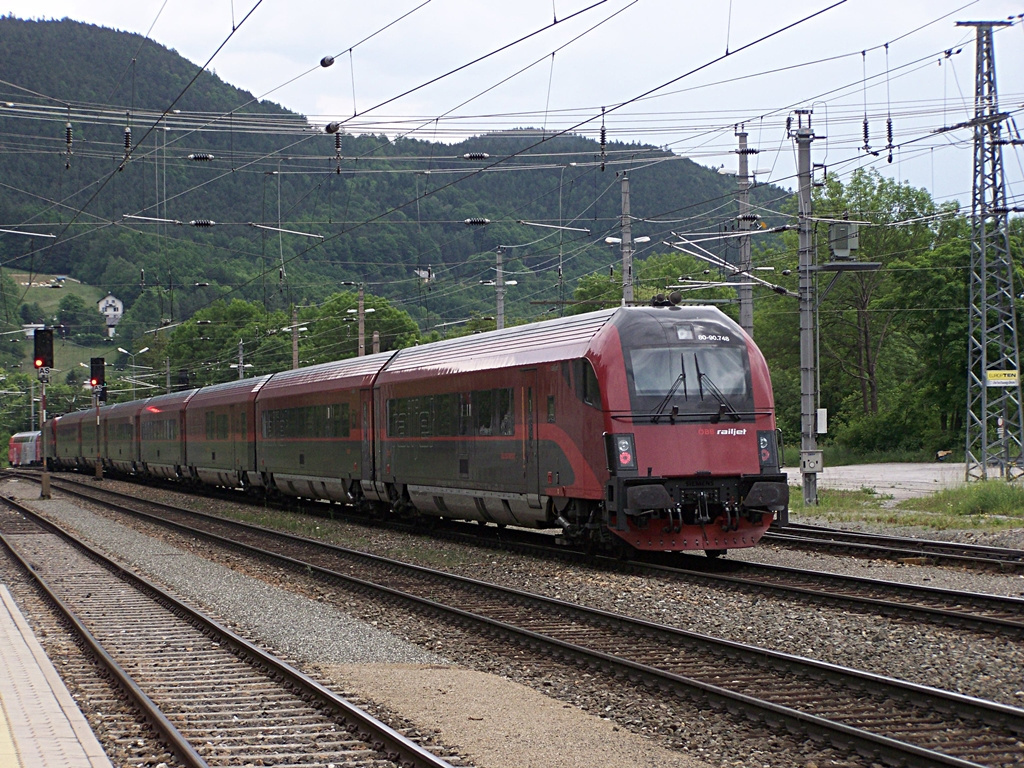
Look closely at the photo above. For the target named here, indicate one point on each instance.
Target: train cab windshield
(692, 372)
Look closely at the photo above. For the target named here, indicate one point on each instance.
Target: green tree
(863, 311)
(333, 327)
(80, 320)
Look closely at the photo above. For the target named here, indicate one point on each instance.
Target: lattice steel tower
(994, 418)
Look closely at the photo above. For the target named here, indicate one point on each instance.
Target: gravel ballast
(423, 687)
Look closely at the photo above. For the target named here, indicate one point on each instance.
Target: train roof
(562, 339)
(71, 417)
(122, 410)
(170, 401)
(350, 372)
(229, 392)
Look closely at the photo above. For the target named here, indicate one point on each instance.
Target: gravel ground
(424, 686)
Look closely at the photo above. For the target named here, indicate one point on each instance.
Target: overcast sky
(611, 54)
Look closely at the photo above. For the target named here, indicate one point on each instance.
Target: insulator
(127, 139)
(888, 131)
(202, 223)
(326, 61)
(867, 143)
(332, 127)
(68, 135)
(201, 157)
(337, 144)
(475, 156)
(476, 222)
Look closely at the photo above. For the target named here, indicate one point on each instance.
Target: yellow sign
(1001, 378)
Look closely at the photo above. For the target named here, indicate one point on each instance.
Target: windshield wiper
(724, 406)
(680, 379)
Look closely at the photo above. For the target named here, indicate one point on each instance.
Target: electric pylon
(994, 417)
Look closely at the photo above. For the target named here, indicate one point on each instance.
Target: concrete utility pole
(362, 323)
(499, 291)
(627, 245)
(295, 337)
(241, 361)
(745, 219)
(810, 456)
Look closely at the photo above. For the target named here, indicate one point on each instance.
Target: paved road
(901, 481)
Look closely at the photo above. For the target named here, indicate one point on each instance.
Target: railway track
(214, 698)
(994, 614)
(887, 719)
(922, 551)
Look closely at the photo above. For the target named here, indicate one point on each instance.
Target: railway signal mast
(42, 359)
(994, 417)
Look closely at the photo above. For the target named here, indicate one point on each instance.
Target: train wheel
(713, 553)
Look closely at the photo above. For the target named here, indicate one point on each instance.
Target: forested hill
(384, 207)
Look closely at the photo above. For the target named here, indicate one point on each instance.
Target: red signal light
(38, 362)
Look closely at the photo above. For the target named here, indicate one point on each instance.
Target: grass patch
(837, 503)
(991, 505)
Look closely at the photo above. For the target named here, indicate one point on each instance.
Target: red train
(648, 428)
(25, 449)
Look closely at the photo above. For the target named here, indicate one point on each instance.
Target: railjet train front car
(689, 429)
(647, 428)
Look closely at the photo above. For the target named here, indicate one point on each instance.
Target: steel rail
(841, 734)
(995, 614)
(896, 547)
(410, 753)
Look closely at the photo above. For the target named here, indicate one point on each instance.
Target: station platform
(41, 726)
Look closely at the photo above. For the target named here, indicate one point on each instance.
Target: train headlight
(621, 452)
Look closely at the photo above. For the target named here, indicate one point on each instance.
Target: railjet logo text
(730, 431)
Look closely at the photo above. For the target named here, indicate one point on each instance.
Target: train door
(368, 470)
(233, 436)
(181, 449)
(531, 463)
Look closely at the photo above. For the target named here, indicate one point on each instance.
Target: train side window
(465, 414)
(242, 427)
(587, 388)
(483, 412)
(222, 427)
(343, 420)
(446, 415)
(397, 421)
(210, 425)
(506, 412)
(551, 409)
